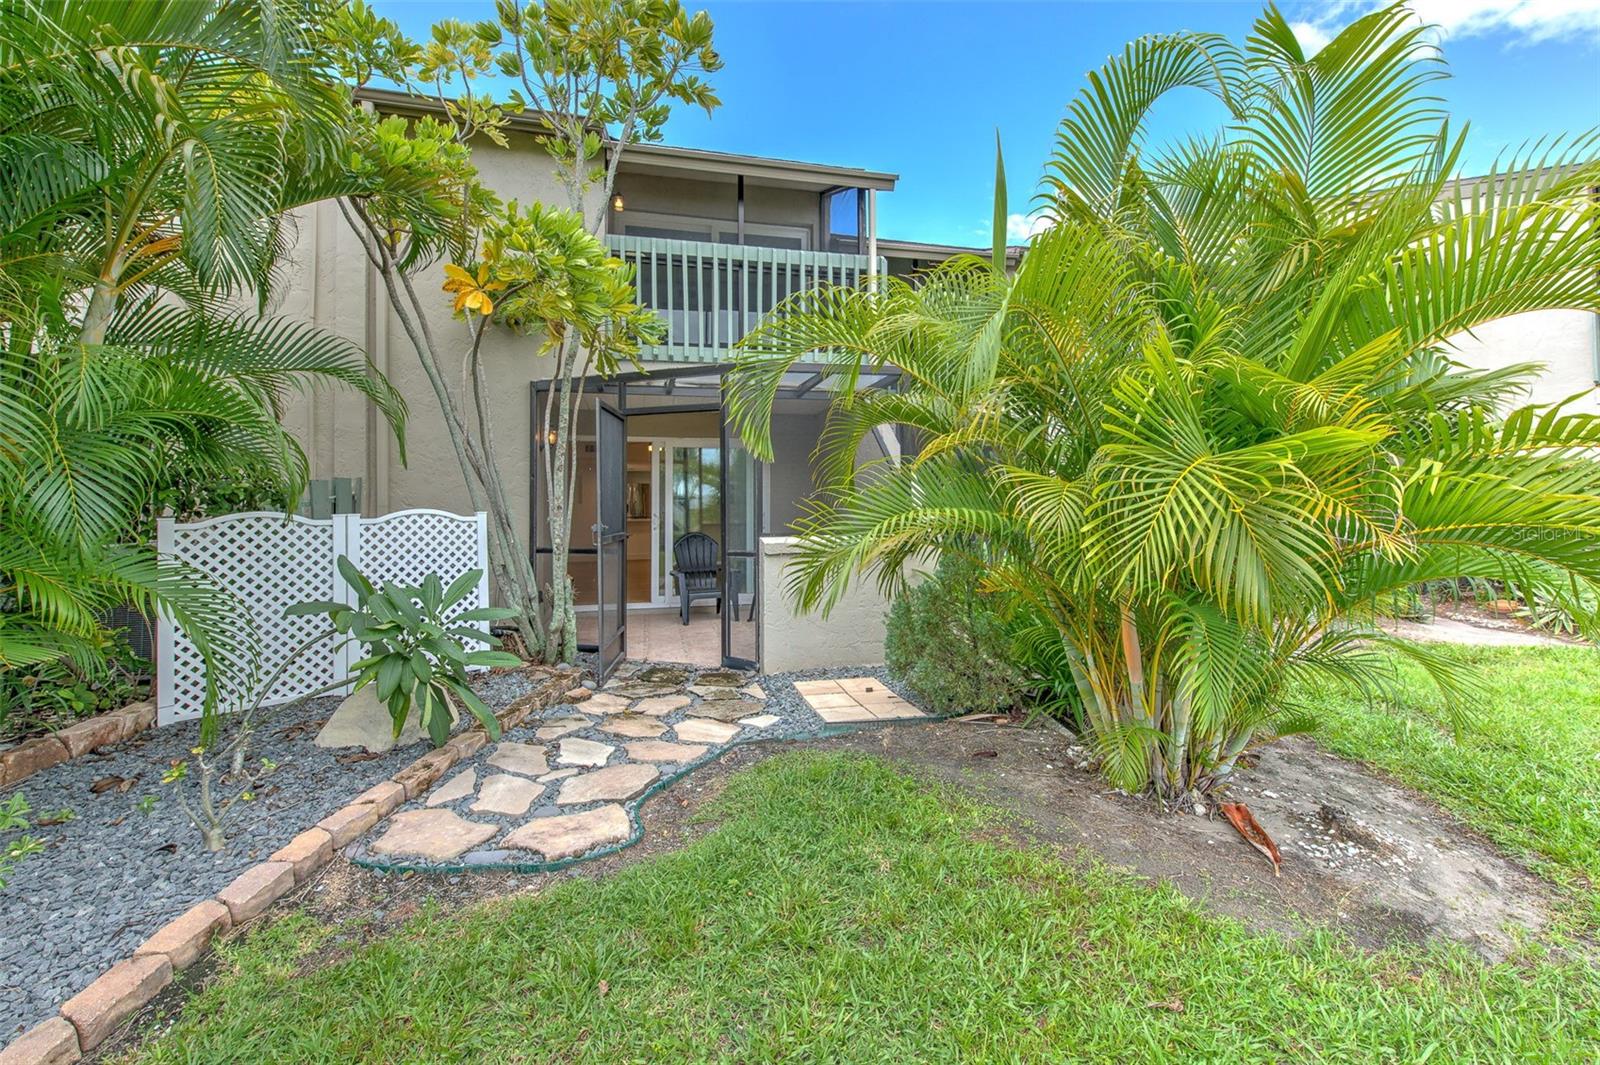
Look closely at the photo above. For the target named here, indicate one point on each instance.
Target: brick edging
(76, 740)
(91, 1016)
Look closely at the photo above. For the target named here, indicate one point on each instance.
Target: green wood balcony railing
(709, 295)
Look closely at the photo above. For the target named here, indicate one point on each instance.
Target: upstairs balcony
(709, 294)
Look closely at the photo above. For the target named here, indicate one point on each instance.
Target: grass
(841, 911)
(1526, 774)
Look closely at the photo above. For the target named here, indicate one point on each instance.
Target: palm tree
(1211, 423)
(148, 156)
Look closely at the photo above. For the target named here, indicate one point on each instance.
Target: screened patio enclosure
(656, 462)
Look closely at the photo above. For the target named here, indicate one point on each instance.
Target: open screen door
(611, 536)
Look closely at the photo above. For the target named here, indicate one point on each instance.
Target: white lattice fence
(272, 561)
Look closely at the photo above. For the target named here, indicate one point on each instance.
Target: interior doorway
(682, 476)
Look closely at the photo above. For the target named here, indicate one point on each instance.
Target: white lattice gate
(272, 561)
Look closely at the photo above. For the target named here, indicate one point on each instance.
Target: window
(841, 215)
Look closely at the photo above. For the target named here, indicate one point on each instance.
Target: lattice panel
(271, 563)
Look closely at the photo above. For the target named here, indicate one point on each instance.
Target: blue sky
(918, 88)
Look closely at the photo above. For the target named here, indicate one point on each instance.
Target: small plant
(53, 693)
(146, 804)
(14, 818)
(947, 638)
(415, 656)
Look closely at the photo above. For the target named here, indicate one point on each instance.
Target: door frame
(615, 390)
(730, 599)
(611, 649)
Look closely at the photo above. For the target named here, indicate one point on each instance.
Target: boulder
(362, 721)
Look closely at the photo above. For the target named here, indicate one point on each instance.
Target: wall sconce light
(550, 438)
(616, 202)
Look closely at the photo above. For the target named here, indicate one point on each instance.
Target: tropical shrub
(53, 693)
(1211, 422)
(148, 154)
(417, 653)
(948, 639)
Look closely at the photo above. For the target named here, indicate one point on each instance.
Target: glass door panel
(741, 526)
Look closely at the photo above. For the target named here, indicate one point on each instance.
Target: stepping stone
(607, 703)
(569, 835)
(578, 751)
(891, 708)
(839, 715)
(721, 678)
(714, 692)
(760, 720)
(437, 835)
(699, 730)
(556, 727)
(522, 758)
(635, 725)
(755, 691)
(727, 709)
(506, 795)
(616, 783)
(661, 705)
(635, 690)
(816, 687)
(457, 787)
(662, 675)
(559, 774)
(662, 751)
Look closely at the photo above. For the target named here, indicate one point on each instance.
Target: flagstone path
(565, 783)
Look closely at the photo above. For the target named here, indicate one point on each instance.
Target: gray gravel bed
(117, 871)
(796, 721)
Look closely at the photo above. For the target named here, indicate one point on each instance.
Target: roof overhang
(663, 160)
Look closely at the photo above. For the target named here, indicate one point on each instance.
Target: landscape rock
(636, 726)
(556, 727)
(51, 1042)
(386, 795)
(606, 703)
(98, 1009)
(569, 835)
(437, 835)
(459, 786)
(522, 758)
(616, 783)
(349, 822)
(185, 938)
(662, 751)
(307, 852)
(507, 795)
(575, 750)
(362, 721)
(661, 705)
(258, 887)
(760, 720)
(700, 730)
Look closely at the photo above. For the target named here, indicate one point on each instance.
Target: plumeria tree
(593, 76)
(1211, 425)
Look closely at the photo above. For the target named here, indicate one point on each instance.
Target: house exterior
(717, 240)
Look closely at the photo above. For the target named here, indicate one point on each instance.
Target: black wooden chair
(697, 565)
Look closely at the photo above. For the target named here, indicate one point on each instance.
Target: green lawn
(842, 911)
(1527, 774)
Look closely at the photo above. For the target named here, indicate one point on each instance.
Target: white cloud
(1312, 36)
(1025, 227)
(1514, 21)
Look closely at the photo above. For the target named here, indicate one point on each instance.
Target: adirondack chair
(697, 566)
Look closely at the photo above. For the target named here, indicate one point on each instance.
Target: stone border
(74, 741)
(91, 1016)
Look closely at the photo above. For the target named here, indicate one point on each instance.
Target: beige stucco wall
(328, 281)
(851, 635)
(1562, 340)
